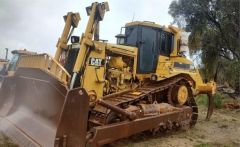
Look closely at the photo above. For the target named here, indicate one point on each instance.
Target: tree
(215, 33)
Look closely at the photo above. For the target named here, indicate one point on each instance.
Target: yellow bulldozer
(8, 67)
(11, 66)
(4, 62)
(93, 92)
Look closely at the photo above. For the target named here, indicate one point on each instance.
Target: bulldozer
(94, 92)
(10, 66)
(4, 62)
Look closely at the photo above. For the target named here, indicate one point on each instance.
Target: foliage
(215, 35)
(6, 142)
(218, 100)
(202, 100)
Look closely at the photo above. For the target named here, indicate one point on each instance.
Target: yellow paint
(209, 87)
(126, 51)
(71, 21)
(182, 95)
(93, 77)
(2, 63)
(86, 37)
(117, 62)
(164, 66)
(144, 23)
(45, 63)
(136, 93)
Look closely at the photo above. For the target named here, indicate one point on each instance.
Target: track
(148, 93)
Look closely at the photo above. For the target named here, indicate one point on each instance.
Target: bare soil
(223, 130)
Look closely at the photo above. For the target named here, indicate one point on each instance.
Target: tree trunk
(237, 85)
(216, 73)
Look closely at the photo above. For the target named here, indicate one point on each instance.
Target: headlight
(75, 39)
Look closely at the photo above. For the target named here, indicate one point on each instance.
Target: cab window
(13, 62)
(166, 43)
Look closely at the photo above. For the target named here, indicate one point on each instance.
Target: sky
(37, 24)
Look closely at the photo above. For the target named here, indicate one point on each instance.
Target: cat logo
(96, 62)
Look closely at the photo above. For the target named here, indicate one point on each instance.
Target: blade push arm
(96, 13)
(71, 22)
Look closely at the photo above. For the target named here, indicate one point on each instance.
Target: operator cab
(152, 40)
(16, 56)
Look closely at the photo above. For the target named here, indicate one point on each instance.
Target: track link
(99, 114)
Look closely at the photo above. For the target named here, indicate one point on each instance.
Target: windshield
(131, 34)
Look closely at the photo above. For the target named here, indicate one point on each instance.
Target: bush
(6, 142)
(202, 100)
(218, 100)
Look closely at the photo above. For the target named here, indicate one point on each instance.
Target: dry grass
(223, 130)
(6, 142)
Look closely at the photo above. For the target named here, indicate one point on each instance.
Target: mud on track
(223, 130)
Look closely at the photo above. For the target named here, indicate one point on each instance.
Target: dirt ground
(223, 130)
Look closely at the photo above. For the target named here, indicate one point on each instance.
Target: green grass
(218, 100)
(202, 100)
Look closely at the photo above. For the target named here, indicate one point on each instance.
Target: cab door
(148, 52)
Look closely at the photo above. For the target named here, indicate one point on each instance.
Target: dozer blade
(72, 127)
(35, 108)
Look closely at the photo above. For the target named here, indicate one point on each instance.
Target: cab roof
(170, 28)
(23, 52)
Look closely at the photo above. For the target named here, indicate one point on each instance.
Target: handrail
(47, 64)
